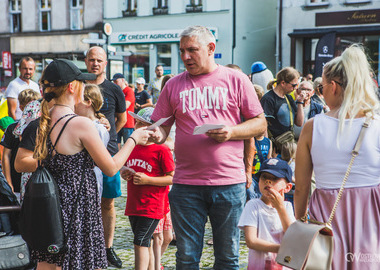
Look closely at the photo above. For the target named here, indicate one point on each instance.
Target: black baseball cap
(62, 71)
(117, 76)
(277, 167)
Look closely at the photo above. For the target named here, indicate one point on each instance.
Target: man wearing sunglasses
(281, 111)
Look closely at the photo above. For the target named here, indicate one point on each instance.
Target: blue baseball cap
(258, 67)
(117, 76)
(277, 167)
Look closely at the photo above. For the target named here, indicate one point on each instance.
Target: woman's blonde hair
(92, 93)
(288, 151)
(287, 74)
(40, 151)
(353, 72)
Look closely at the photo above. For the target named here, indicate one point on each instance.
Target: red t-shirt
(129, 96)
(146, 200)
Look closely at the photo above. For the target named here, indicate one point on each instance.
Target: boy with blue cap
(265, 220)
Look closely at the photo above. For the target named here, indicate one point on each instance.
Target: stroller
(14, 253)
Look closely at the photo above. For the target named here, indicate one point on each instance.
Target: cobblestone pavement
(124, 247)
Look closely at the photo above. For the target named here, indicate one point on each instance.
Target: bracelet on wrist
(300, 102)
(133, 140)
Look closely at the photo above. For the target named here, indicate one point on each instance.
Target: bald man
(113, 107)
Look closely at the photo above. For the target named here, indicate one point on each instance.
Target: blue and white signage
(150, 36)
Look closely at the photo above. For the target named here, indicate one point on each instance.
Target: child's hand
(105, 123)
(276, 198)
(126, 173)
(140, 179)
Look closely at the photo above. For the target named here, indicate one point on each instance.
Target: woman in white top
(325, 146)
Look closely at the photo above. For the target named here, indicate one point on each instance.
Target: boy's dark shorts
(111, 186)
(143, 229)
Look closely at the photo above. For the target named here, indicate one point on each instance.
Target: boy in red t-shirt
(149, 171)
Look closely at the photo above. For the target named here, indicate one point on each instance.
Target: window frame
(309, 3)
(76, 9)
(46, 10)
(12, 12)
(351, 2)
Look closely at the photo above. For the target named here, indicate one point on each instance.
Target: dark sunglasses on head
(320, 87)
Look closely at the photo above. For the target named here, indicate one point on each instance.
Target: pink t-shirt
(219, 97)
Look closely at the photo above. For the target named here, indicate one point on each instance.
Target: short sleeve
(167, 162)
(163, 107)
(290, 211)
(120, 100)
(146, 95)
(249, 215)
(9, 140)
(268, 105)
(29, 135)
(250, 104)
(11, 91)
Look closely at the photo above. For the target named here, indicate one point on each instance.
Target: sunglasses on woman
(320, 87)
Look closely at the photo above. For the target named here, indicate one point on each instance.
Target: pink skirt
(356, 225)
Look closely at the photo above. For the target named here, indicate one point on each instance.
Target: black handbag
(41, 223)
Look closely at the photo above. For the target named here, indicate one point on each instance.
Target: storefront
(138, 53)
(354, 26)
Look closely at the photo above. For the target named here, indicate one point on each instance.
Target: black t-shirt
(114, 102)
(29, 135)
(277, 112)
(12, 142)
(141, 98)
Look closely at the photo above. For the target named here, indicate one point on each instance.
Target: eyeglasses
(294, 85)
(305, 89)
(320, 87)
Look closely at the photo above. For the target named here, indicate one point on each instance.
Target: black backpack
(41, 223)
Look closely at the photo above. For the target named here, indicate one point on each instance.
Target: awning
(342, 31)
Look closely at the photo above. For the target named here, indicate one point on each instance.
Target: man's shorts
(111, 186)
(142, 228)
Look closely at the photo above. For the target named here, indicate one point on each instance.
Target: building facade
(146, 33)
(45, 29)
(305, 22)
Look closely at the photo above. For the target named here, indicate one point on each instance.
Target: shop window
(317, 2)
(45, 12)
(76, 14)
(164, 57)
(136, 62)
(161, 7)
(131, 8)
(15, 15)
(357, 1)
(194, 6)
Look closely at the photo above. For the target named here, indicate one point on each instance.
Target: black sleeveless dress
(86, 247)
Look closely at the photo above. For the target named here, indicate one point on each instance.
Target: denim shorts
(143, 228)
(111, 186)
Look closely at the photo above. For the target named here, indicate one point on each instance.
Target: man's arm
(250, 128)
(121, 119)
(249, 154)
(299, 115)
(12, 106)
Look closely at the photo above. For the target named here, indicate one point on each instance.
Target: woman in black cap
(69, 153)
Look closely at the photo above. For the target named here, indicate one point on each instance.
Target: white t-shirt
(105, 136)
(15, 87)
(268, 224)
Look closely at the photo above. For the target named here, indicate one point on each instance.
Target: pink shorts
(165, 224)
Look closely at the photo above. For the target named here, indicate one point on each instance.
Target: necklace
(63, 105)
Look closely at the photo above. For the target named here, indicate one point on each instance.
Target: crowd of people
(251, 153)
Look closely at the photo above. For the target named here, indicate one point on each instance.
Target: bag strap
(354, 153)
(290, 113)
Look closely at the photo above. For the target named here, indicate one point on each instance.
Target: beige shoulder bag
(310, 245)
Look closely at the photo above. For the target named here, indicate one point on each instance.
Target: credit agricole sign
(150, 36)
